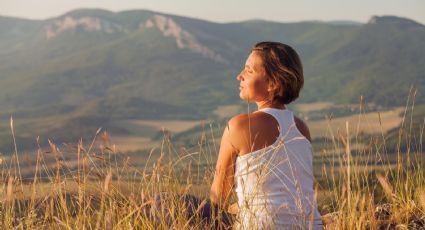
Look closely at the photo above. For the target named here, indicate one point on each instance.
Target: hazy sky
(230, 10)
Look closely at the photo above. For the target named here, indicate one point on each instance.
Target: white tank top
(274, 185)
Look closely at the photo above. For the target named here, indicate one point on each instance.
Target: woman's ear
(272, 88)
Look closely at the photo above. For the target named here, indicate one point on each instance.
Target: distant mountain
(96, 65)
(115, 63)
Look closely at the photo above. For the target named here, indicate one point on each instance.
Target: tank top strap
(284, 117)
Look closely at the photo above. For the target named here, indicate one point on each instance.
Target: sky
(229, 10)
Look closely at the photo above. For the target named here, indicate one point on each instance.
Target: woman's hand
(233, 208)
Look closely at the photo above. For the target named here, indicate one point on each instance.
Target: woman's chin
(241, 96)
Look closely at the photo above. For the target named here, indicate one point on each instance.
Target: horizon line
(198, 18)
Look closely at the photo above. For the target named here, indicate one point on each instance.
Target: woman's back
(274, 184)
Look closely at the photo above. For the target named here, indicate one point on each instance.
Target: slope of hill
(96, 65)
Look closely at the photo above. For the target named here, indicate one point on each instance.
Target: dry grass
(93, 186)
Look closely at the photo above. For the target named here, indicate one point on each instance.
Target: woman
(266, 156)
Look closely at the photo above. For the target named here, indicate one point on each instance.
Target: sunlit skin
(247, 132)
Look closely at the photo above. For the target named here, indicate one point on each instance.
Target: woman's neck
(269, 104)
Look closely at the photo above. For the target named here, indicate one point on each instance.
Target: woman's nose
(239, 77)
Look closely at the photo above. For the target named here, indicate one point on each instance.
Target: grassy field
(107, 184)
(174, 126)
(83, 187)
(370, 123)
(226, 111)
(132, 143)
(143, 131)
(309, 107)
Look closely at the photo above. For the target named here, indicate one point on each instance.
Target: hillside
(68, 75)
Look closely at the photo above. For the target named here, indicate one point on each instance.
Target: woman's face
(253, 80)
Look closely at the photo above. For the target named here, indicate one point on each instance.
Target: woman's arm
(303, 128)
(223, 182)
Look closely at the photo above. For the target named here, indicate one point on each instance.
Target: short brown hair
(283, 68)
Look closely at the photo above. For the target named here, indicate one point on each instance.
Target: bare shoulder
(239, 121)
(235, 132)
(302, 127)
(242, 122)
